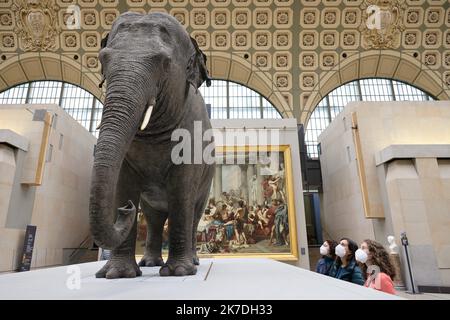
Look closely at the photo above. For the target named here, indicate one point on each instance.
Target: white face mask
(324, 250)
(340, 250)
(361, 256)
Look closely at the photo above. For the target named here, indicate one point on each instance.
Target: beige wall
(60, 203)
(8, 238)
(405, 148)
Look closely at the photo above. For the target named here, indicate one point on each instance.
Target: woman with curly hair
(376, 265)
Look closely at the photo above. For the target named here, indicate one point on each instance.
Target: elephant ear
(197, 73)
(102, 45)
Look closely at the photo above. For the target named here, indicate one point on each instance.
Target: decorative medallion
(201, 40)
(382, 23)
(221, 40)
(328, 60)
(241, 18)
(282, 61)
(410, 38)
(283, 17)
(308, 39)
(36, 24)
(262, 18)
(180, 16)
(282, 81)
(282, 39)
(430, 59)
(262, 40)
(221, 18)
(308, 60)
(261, 61)
(308, 81)
(200, 18)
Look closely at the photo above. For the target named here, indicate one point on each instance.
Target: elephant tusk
(148, 113)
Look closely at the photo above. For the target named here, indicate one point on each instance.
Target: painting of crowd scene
(246, 213)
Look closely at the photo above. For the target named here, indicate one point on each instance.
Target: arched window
(358, 90)
(228, 100)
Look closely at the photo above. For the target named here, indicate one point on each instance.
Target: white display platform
(224, 279)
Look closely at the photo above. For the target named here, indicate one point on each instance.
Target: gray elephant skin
(152, 69)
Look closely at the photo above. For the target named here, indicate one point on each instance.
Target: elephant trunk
(123, 111)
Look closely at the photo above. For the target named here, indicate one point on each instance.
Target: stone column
(250, 173)
(259, 188)
(244, 182)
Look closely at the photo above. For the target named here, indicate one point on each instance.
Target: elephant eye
(163, 29)
(164, 33)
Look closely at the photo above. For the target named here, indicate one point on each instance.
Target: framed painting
(250, 211)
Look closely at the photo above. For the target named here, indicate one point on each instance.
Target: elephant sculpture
(153, 69)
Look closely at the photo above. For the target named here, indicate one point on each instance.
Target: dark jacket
(324, 265)
(351, 272)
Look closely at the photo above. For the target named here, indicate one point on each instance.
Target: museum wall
(46, 183)
(292, 52)
(405, 147)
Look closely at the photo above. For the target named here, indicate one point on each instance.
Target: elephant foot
(119, 267)
(195, 260)
(177, 268)
(151, 261)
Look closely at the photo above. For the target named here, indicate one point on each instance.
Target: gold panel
(368, 213)
(37, 181)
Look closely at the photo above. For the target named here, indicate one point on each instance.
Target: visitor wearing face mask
(345, 266)
(377, 266)
(328, 257)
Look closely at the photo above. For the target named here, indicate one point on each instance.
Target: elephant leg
(198, 213)
(122, 263)
(182, 185)
(155, 228)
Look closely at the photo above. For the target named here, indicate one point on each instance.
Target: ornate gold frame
(293, 255)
